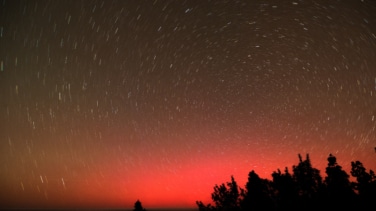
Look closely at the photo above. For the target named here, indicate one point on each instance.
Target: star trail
(106, 102)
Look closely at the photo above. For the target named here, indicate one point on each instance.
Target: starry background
(106, 102)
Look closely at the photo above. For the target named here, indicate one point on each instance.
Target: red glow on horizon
(171, 185)
(181, 188)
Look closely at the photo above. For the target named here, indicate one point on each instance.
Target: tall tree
(365, 184)
(308, 183)
(286, 194)
(258, 194)
(338, 187)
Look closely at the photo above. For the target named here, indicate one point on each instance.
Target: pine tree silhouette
(338, 187)
(258, 193)
(138, 206)
(286, 194)
(308, 183)
(365, 184)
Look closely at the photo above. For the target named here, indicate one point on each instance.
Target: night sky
(106, 102)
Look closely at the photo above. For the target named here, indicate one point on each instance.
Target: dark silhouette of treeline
(302, 189)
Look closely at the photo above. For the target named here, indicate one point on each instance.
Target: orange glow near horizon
(178, 185)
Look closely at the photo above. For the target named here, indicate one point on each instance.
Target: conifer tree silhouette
(338, 187)
(365, 184)
(258, 194)
(138, 206)
(308, 183)
(284, 187)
